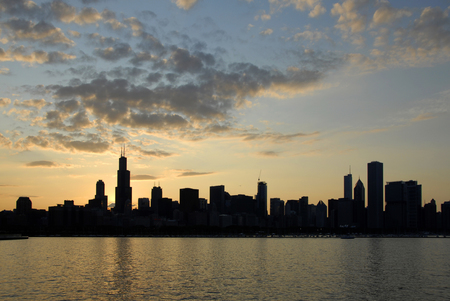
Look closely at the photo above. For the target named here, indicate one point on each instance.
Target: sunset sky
(207, 93)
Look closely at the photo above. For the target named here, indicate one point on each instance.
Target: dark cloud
(46, 33)
(68, 106)
(268, 154)
(143, 177)
(114, 53)
(129, 73)
(97, 39)
(21, 54)
(194, 173)
(150, 153)
(275, 137)
(31, 103)
(184, 62)
(41, 164)
(60, 142)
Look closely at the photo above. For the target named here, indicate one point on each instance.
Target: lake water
(57, 268)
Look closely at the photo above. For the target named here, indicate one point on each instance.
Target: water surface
(58, 268)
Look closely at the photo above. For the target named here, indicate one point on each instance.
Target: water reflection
(230, 268)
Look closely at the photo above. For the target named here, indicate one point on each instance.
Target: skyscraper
(375, 198)
(261, 200)
(100, 194)
(217, 198)
(123, 189)
(359, 196)
(156, 196)
(348, 183)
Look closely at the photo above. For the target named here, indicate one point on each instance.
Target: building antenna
(124, 150)
(259, 177)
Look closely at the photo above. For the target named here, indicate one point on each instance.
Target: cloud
(185, 4)
(268, 154)
(194, 173)
(74, 33)
(310, 35)
(315, 6)
(4, 71)
(136, 26)
(266, 32)
(114, 53)
(387, 14)
(46, 33)
(4, 141)
(60, 142)
(150, 153)
(275, 137)
(142, 177)
(4, 102)
(350, 20)
(36, 57)
(425, 116)
(41, 164)
(68, 14)
(31, 103)
(317, 11)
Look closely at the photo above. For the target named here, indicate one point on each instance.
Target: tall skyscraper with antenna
(123, 189)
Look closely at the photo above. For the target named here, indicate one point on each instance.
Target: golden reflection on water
(223, 268)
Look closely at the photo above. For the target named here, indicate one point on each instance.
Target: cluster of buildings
(394, 207)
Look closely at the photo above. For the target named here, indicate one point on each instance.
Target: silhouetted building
(375, 195)
(219, 199)
(277, 212)
(403, 205)
(303, 210)
(445, 216)
(359, 193)
(189, 201)
(242, 204)
(430, 217)
(348, 184)
(101, 200)
(123, 189)
(143, 204)
(413, 205)
(156, 196)
(23, 205)
(276, 207)
(261, 200)
(68, 215)
(321, 215)
(100, 194)
(165, 208)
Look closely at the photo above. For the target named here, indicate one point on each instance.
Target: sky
(203, 93)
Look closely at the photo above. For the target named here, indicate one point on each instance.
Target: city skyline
(217, 93)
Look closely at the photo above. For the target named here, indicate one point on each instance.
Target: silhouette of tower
(100, 194)
(359, 195)
(156, 196)
(261, 200)
(375, 197)
(348, 183)
(360, 192)
(123, 189)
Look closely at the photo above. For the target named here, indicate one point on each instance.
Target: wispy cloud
(143, 177)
